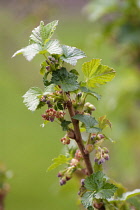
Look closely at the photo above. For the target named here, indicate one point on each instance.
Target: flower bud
(68, 177)
(60, 174)
(82, 182)
(43, 99)
(78, 154)
(62, 182)
(74, 162)
(65, 140)
(105, 150)
(79, 95)
(100, 136)
(93, 136)
(106, 156)
(48, 68)
(101, 161)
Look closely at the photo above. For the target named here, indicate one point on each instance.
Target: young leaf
(53, 47)
(42, 34)
(130, 194)
(31, 98)
(126, 196)
(89, 122)
(97, 74)
(49, 89)
(29, 52)
(67, 80)
(61, 159)
(71, 54)
(65, 124)
(90, 92)
(87, 199)
(104, 122)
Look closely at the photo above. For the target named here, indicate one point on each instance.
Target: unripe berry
(98, 205)
(92, 107)
(89, 148)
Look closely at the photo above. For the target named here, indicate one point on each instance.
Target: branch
(78, 138)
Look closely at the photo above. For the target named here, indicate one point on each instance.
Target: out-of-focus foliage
(120, 20)
(24, 146)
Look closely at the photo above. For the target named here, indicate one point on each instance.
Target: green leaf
(135, 201)
(29, 52)
(90, 92)
(67, 80)
(106, 192)
(61, 159)
(97, 74)
(89, 122)
(97, 183)
(87, 199)
(31, 98)
(90, 208)
(104, 122)
(53, 47)
(74, 71)
(71, 54)
(42, 34)
(65, 124)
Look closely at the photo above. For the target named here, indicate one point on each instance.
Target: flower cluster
(66, 174)
(65, 140)
(52, 113)
(101, 155)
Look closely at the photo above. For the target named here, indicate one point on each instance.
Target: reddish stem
(78, 138)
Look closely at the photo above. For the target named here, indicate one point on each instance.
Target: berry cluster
(52, 113)
(101, 155)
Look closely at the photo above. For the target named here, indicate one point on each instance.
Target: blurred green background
(25, 147)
